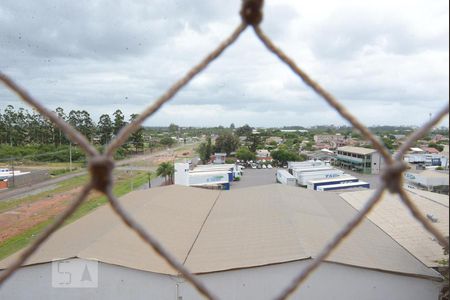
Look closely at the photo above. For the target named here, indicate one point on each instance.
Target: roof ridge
(201, 227)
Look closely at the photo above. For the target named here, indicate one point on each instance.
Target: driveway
(255, 177)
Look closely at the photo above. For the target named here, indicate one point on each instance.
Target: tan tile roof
(212, 231)
(392, 217)
(357, 150)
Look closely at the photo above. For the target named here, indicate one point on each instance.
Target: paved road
(51, 183)
(38, 187)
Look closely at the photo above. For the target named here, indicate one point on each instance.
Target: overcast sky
(386, 60)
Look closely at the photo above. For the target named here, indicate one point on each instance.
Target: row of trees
(21, 127)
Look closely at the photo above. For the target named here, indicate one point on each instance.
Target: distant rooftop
(357, 150)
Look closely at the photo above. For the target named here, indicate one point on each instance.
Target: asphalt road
(37, 188)
(51, 183)
(255, 177)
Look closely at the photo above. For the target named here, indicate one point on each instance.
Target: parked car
(269, 166)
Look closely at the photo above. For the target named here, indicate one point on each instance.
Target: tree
(245, 154)
(119, 121)
(137, 137)
(81, 120)
(3, 132)
(105, 129)
(388, 143)
(173, 128)
(9, 117)
(227, 142)
(245, 130)
(74, 119)
(61, 139)
(439, 147)
(209, 147)
(255, 142)
(167, 170)
(205, 150)
(167, 141)
(87, 126)
(232, 126)
(282, 156)
(309, 146)
(203, 153)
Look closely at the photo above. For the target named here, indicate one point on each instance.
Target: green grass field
(122, 187)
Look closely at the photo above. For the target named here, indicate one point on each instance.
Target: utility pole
(70, 156)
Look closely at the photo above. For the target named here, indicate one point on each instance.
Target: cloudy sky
(386, 60)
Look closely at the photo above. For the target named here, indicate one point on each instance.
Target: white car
(269, 167)
(264, 166)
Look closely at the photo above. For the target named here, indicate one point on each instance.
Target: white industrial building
(304, 164)
(220, 158)
(307, 173)
(220, 176)
(428, 179)
(436, 160)
(243, 244)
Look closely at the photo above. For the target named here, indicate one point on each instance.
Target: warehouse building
(363, 160)
(430, 180)
(210, 176)
(243, 244)
(219, 158)
(425, 159)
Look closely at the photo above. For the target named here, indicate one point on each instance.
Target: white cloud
(387, 60)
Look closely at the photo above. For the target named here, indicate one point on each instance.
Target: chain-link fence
(101, 165)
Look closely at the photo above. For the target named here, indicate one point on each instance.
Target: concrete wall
(330, 281)
(31, 178)
(181, 174)
(378, 164)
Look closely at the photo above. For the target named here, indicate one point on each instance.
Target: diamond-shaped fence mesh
(101, 165)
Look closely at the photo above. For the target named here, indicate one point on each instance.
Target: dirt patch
(26, 216)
